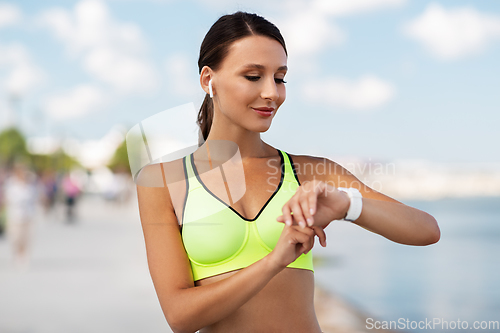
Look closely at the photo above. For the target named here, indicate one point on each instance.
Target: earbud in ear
(210, 88)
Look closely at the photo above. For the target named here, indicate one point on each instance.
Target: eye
(256, 78)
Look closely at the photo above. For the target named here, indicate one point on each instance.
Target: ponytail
(205, 118)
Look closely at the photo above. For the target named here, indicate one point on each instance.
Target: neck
(249, 143)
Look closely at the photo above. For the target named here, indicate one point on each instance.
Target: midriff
(285, 304)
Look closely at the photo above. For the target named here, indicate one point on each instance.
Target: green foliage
(58, 161)
(119, 161)
(12, 147)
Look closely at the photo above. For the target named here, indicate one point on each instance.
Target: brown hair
(214, 48)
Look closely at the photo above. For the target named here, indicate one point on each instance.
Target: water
(454, 280)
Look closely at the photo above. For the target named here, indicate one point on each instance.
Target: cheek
(282, 93)
(237, 90)
(244, 92)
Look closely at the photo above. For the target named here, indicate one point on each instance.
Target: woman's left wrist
(355, 203)
(347, 203)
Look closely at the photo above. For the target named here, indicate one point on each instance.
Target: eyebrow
(257, 66)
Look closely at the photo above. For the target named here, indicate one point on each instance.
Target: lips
(264, 109)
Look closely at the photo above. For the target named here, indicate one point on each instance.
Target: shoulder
(161, 174)
(317, 167)
(309, 168)
(161, 187)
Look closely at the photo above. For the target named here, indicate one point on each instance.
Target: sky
(379, 79)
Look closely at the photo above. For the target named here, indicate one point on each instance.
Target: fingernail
(309, 221)
(311, 211)
(288, 222)
(302, 224)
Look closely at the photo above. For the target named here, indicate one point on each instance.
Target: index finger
(321, 235)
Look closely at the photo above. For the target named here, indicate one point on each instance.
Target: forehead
(255, 50)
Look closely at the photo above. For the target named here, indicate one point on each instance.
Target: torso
(280, 306)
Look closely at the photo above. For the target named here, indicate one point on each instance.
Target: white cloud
(111, 51)
(307, 33)
(453, 33)
(154, 1)
(124, 73)
(365, 93)
(350, 7)
(90, 25)
(309, 26)
(179, 70)
(230, 6)
(332, 7)
(79, 101)
(9, 15)
(22, 74)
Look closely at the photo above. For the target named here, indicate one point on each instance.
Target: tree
(12, 147)
(119, 161)
(57, 161)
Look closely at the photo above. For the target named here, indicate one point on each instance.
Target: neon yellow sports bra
(218, 239)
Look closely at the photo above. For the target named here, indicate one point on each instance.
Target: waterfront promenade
(92, 276)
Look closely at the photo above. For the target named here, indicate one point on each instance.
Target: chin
(261, 129)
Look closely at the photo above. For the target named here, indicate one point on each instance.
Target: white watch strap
(356, 205)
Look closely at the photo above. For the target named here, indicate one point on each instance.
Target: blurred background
(404, 94)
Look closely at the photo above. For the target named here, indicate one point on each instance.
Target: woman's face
(249, 78)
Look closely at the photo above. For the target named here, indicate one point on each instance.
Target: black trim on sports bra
(187, 190)
(268, 200)
(293, 168)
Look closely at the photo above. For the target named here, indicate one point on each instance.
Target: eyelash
(255, 78)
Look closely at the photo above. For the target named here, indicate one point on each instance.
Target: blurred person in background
(20, 197)
(71, 191)
(3, 177)
(49, 188)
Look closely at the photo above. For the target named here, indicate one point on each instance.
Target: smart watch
(356, 205)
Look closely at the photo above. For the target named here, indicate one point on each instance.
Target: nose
(270, 90)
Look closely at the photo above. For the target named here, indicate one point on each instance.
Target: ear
(205, 76)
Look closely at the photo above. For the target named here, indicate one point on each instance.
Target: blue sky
(380, 79)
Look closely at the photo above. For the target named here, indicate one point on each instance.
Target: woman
(246, 267)
(20, 201)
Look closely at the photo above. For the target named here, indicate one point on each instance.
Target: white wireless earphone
(210, 88)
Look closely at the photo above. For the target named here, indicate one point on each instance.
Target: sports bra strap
(290, 175)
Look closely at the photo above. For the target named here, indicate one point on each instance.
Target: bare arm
(398, 222)
(381, 214)
(188, 308)
(204, 305)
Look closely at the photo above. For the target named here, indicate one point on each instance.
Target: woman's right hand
(295, 240)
